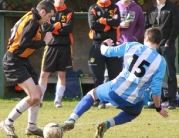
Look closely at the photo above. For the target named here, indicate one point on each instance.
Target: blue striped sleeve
(158, 78)
(116, 51)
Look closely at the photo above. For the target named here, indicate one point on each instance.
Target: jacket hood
(119, 3)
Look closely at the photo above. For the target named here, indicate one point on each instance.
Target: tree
(75, 5)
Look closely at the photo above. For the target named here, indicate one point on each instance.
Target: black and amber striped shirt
(104, 19)
(26, 35)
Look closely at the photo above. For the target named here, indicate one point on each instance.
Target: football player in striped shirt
(143, 67)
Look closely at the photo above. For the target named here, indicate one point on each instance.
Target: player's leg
(64, 64)
(31, 100)
(120, 119)
(129, 113)
(16, 72)
(43, 80)
(7, 124)
(34, 93)
(49, 62)
(101, 93)
(60, 88)
(83, 106)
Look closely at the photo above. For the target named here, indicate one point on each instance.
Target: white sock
(32, 118)
(74, 116)
(43, 92)
(59, 92)
(112, 122)
(17, 111)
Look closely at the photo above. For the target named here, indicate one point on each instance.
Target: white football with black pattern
(53, 130)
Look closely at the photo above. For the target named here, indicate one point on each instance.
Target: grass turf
(148, 125)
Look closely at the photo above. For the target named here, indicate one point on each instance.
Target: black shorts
(17, 69)
(56, 58)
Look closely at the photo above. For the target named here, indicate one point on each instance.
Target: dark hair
(154, 35)
(47, 5)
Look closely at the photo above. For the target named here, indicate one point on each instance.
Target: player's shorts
(105, 94)
(17, 69)
(56, 58)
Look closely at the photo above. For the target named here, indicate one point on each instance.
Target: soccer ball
(53, 130)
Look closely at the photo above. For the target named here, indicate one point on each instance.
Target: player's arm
(47, 27)
(156, 86)
(29, 31)
(157, 80)
(67, 27)
(159, 109)
(108, 50)
(93, 21)
(59, 28)
(114, 20)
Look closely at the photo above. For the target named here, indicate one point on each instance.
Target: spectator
(132, 21)
(103, 19)
(57, 55)
(165, 14)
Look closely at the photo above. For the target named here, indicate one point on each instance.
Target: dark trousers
(98, 63)
(169, 53)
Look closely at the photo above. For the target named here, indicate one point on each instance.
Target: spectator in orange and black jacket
(103, 19)
(57, 55)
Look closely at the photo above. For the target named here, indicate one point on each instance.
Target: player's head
(103, 1)
(59, 2)
(153, 35)
(46, 10)
(159, 1)
(125, 1)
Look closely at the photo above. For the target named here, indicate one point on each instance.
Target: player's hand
(124, 24)
(163, 113)
(109, 42)
(48, 37)
(115, 16)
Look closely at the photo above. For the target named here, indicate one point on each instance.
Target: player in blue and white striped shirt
(143, 67)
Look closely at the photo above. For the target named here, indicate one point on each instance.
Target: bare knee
(93, 94)
(35, 100)
(62, 78)
(44, 75)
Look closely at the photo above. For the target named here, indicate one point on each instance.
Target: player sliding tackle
(143, 67)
